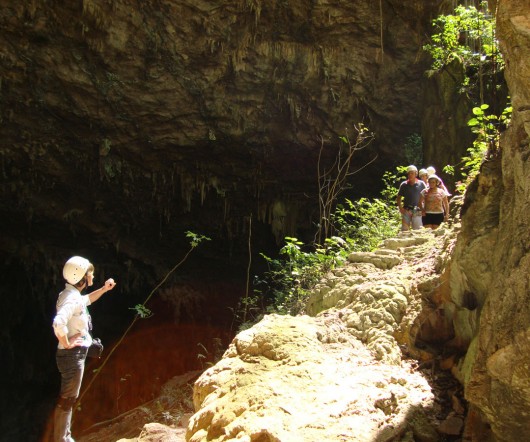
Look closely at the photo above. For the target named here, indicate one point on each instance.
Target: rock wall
(446, 111)
(490, 275)
(152, 110)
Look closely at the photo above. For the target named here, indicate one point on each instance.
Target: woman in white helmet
(432, 171)
(72, 327)
(423, 174)
(433, 203)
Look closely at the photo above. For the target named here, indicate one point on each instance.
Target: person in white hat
(424, 175)
(408, 198)
(72, 326)
(432, 171)
(434, 204)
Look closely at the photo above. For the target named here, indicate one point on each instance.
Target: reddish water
(142, 363)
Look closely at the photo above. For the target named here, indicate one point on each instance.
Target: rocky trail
(368, 362)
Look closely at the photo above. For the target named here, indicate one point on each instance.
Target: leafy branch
(488, 129)
(468, 36)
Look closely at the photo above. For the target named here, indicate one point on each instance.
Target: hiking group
(422, 199)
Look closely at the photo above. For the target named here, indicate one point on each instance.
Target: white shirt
(72, 315)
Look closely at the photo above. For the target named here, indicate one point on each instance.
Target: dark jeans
(71, 365)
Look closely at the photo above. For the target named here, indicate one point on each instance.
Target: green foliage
(391, 181)
(488, 128)
(196, 239)
(361, 226)
(365, 223)
(142, 311)
(467, 35)
(290, 277)
(414, 149)
(449, 170)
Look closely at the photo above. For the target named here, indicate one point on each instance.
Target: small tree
(333, 180)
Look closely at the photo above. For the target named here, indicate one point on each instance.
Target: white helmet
(75, 268)
(423, 172)
(412, 168)
(431, 170)
(435, 177)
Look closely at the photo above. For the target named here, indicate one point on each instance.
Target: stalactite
(187, 189)
(203, 192)
(226, 209)
(95, 13)
(278, 215)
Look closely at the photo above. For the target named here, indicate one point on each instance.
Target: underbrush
(358, 225)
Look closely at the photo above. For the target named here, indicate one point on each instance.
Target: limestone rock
(320, 389)
(380, 260)
(452, 426)
(154, 432)
(491, 265)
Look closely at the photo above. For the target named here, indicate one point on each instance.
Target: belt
(78, 349)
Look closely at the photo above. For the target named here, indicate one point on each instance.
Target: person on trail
(432, 171)
(424, 175)
(408, 198)
(72, 325)
(433, 203)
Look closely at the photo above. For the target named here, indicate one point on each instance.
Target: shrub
(365, 223)
(360, 225)
(468, 35)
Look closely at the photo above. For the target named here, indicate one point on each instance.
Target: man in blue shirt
(408, 199)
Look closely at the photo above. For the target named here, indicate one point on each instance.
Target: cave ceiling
(125, 121)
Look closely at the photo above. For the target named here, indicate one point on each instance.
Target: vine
(381, 28)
